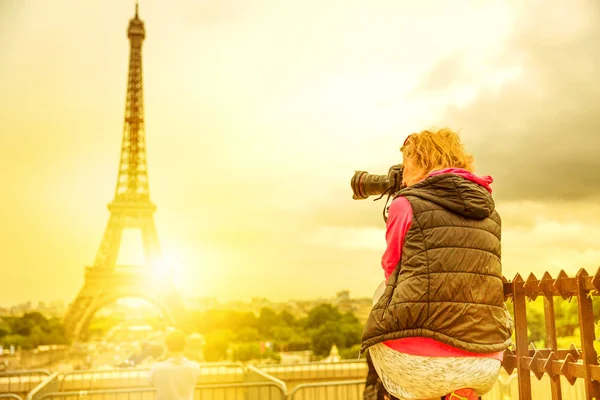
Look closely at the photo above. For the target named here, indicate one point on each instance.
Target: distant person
(176, 377)
(439, 325)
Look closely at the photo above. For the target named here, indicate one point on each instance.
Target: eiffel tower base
(102, 288)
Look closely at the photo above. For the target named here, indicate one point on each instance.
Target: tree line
(31, 330)
(243, 336)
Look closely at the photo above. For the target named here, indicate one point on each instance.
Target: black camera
(365, 184)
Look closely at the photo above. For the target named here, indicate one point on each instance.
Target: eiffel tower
(105, 281)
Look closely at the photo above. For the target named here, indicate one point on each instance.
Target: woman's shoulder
(400, 202)
(400, 208)
(400, 205)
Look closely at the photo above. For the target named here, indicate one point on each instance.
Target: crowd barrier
(342, 390)
(259, 382)
(226, 391)
(21, 381)
(346, 369)
(10, 396)
(48, 385)
(251, 384)
(138, 377)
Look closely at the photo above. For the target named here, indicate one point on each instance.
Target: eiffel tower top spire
(132, 181)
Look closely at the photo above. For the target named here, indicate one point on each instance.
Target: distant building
(334, 355)
(342, 301)
(259, 303)
(342, 296)
(21, 309)
(295, 357)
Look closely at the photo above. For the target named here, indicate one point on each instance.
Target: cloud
(548, 235)
(258, 113)
(448, 72)
(206, 12)
(538, 135)
(526, 214)
(349, 238)
(529, 120)
(550, 246)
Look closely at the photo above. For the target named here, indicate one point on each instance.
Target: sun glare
(162, 269)
(131, 250)
(133, 302)
(131, 253)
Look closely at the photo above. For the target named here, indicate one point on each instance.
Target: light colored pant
(410, 377)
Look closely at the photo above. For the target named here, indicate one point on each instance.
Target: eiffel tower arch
(105, 281)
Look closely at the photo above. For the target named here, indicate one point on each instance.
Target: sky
(259, 112)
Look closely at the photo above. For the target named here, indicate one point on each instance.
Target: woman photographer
(440, 327)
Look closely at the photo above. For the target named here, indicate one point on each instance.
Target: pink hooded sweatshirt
(398, 223)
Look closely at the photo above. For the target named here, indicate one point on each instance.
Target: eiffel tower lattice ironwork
(105, 281)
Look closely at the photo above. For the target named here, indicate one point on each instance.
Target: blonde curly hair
(432, 150)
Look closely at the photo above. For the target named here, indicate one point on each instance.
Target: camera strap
(385, 207)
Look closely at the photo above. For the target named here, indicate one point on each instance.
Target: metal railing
(146, 393)
(11, 396)
(345, 370)
(228, 391)
(255, 375)
(138, 377)
(50, 384)
(103, 379)
(21, 381)
(341, 390)
(570, 364)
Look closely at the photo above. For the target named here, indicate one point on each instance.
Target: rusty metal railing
(573, 363)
